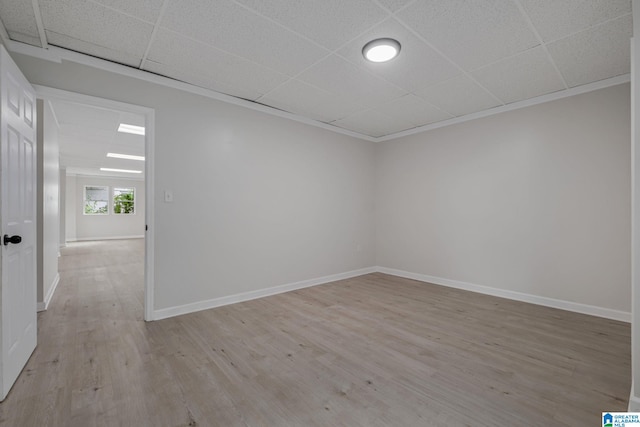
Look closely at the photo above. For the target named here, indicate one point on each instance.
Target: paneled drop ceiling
(304, 56)
(86, 134)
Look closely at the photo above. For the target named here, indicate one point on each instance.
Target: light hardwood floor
(370, 351)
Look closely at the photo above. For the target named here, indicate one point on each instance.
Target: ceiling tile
(88, 133)
(20, 21)
(132, 119)
(24, 38)
(97, 25)
(79, 143)
(411, 111)
(234, 29)
(294, 95)
(280, 52)
(134, 144)
(329, 22)
(459, 96)
(77, 153)
(595, 54)
(147, 10)
(471, 33)
(304, 99)
(399, 120)
(80, 171)
(67, 42)
(98, 141)
(340, 77)
(522, 76)
(81, 115)
(394, 5)
(555, 19)
(184, 59)
(372, 123)
(416, 67)
(186, 75)
(334, 108)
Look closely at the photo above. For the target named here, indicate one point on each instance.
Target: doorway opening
(106, 171)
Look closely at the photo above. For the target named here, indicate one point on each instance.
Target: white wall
(48, 199)
(259, 201)
(96, 227)
(62, 203)
(535, 201)
(634, 398)
(70, 208)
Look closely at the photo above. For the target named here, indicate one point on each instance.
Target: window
(124, 200)
(96, 200)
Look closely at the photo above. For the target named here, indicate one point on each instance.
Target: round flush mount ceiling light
(381, 50)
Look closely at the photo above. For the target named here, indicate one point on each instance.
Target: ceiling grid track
(340, 47)
(4, 35)
(459, 59)
(527, 18)
(330, 52)
(40, 24)
(599, 24)
(163, 8)
(333, 52)
(451, 61)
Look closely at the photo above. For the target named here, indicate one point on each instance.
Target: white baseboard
(87, 239)
(513, 295)
(42, 306)
(634, 401)
(246, 296)
(592, 310)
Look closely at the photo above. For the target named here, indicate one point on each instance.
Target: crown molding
(56, 54)
(565, 93)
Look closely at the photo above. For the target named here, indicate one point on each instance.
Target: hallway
(98, 306)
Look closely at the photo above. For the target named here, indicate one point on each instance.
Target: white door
(18, 221)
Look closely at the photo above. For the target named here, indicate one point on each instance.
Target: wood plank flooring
(370, 351)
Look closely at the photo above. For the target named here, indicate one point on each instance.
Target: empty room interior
(322, 213)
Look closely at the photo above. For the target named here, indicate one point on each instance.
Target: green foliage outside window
(95, 207)
(123, 200)
(96, 200)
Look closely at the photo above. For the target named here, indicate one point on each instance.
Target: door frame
(48, 93)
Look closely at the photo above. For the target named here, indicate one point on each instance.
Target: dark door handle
(13, 239)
